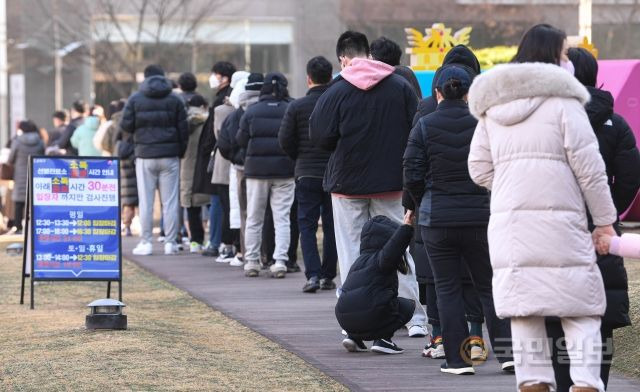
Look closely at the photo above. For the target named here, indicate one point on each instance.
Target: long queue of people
(503, 185)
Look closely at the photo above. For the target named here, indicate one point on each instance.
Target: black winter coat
(311, 161)
(436, 173)
(157, 118)
(227, 144)
(368, 305)
(258, 133)
(202, 178)
(367, 130)
(64, 141)
(622, 160)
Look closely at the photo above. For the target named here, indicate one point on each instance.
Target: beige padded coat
(221, 166)
(535, 150)
(196, 118)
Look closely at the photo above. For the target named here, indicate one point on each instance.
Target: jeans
(314, 202)
(279, 193)
(349, 216)
(560, 356)
(449, 249)
(532, 352)
(194, 216)
(215, 222)
(162, 174)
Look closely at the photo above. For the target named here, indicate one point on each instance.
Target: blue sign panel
(75, 219)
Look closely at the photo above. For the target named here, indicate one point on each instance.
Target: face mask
(214, 82)
(567, 66)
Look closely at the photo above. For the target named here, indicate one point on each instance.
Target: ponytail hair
(453, 89)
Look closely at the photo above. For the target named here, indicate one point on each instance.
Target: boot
(535, 388)
(583, 389)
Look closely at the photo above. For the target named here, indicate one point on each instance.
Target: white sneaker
(417, 331)
(170, 249)
(195, 247)
(236, 262)
(278, 269)
(251, 269)
(143, 249)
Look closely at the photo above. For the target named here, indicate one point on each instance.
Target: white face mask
(568, 66)
(214, 82)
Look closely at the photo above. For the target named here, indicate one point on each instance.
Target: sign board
(17, 100)
(74, 219)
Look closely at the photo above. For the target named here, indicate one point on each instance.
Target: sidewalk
(305, 324)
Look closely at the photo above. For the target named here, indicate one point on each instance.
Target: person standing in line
(230, 149)
(389, 52)
(78, 109)
(188, 85)
(189, 198)
(158, 121)
(220, 82)
(622, 161)
(454, 213)
(27, 143)
(311, 162)
(269, 173)
(364, 118)
(123, 148)
(59, 124)
(534, 149)
(82, 139)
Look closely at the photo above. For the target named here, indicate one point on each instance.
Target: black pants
(560, 357)
(18, 214)
(194, 217)
(314, 202)
(229, 236)
(472, 304)
(269, 236)
(449, 249)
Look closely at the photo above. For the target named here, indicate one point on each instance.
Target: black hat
(275, 84)
(254, 82)
(153, 70)
(197, 101)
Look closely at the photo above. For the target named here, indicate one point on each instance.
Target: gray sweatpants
(280, 194)
(162, 174)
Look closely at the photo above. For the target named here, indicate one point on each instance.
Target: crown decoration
(585, 44)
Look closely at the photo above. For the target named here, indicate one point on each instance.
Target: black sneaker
(211, 252)
(384, 346)
(461, 371)
(294, 267)
(354, 345)
(311, 286)
(327, 284)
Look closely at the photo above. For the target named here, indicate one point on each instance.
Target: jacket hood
(196, 115)
(91, 122)
(600, 107)
(29, 138)
(365, 74)
(376, 233)
(521, 88)
(460, 56)
(248, 97)
(156, 87)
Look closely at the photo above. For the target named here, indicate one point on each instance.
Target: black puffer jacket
(258, 133)
(462, 57)
(368, 305)
(227, 144)
(311, 161)
(436, 173)
(157, 119)
(622, 161)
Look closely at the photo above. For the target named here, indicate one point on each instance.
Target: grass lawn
(174, 342)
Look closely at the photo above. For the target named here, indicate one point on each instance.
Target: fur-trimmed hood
(509, 93)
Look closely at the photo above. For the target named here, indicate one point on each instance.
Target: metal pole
(57, 62)
(4, 75)
(247, 45)
(585, 17)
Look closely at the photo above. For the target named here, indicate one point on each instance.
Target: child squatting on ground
(369, 307)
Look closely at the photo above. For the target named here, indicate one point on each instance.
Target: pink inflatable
(622, 79)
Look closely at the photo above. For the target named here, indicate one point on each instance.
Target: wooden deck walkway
(305, 325)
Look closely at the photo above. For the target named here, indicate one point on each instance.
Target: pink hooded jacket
(366, 74)
(626, 246)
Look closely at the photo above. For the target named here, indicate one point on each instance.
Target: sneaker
(237, 261)
(252, 269)
(384, 346)
(170, 249)
(278, 270)
(462, 371)
(417, 331)
(478, 349)
(294, 267)
(354, 345)
(185, 240)
(211, 252)
(343, 332)
(195, 247)
(143, 249)
(311, 286)
(509, 367)
(327, 284)
(162, 238)
(435, 349)
(226, 255)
